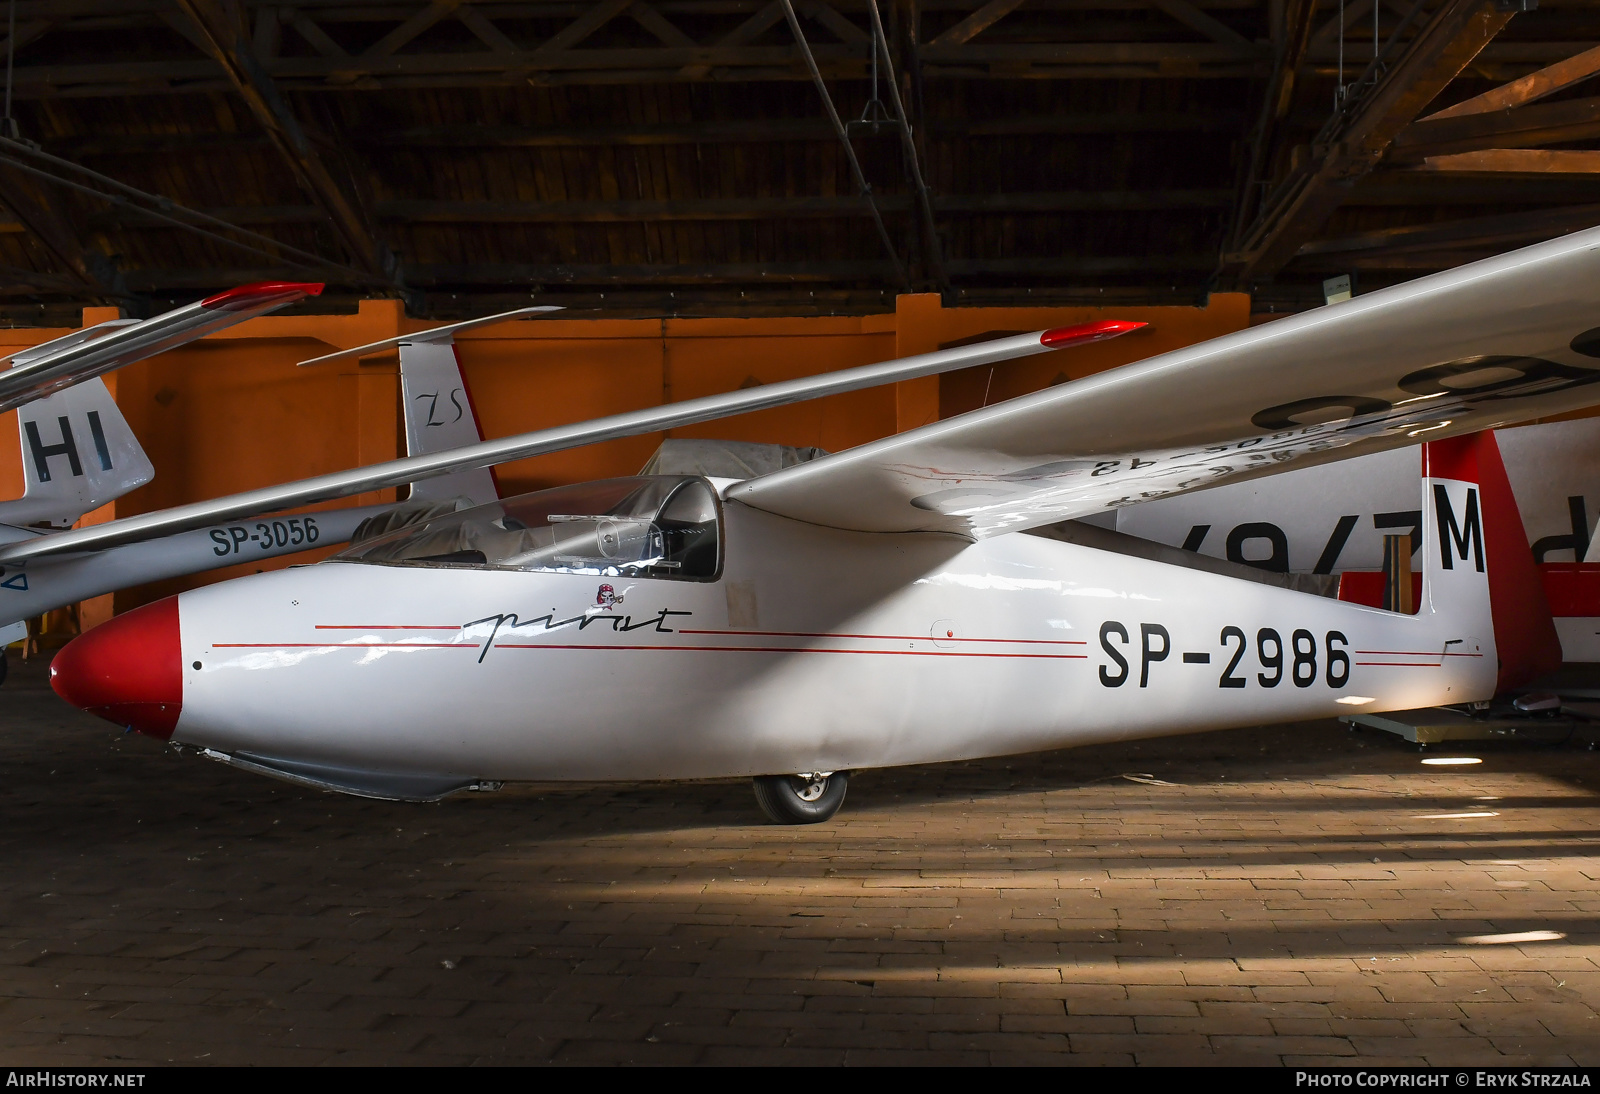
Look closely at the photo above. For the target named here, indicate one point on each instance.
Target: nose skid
(128, 671)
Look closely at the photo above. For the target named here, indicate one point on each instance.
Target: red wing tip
(1059, 337)
(261, 294)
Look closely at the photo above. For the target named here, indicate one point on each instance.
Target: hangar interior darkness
(676, 157)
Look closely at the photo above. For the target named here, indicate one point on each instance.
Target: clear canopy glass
(650, 526)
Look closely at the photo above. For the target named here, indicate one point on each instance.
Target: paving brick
(1022, 911)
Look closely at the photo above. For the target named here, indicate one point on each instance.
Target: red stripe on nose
(128, 671)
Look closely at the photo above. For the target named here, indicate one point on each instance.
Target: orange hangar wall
(232, 411)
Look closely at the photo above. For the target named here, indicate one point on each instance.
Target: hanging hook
(874, 113)
(9, 122)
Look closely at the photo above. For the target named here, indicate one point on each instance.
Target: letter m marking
(1455, 540)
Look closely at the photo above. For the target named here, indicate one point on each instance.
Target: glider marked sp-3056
(868, 609)
(437, 415)
(78, 452)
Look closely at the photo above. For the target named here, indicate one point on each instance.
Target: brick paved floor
(1297, 894)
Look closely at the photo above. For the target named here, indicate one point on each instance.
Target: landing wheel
(4, 666)
(801, 799)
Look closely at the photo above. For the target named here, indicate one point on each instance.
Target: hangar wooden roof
(677, 155)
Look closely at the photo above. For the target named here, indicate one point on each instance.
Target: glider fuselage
(811, 649)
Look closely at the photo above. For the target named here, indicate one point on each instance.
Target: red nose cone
(128, 671)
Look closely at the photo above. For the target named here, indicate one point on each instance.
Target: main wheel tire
(801, 799)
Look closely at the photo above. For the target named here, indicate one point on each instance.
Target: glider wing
(45, 369)
(416, 468)
(1489, 344)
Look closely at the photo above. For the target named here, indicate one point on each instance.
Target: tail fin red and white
(1476, 559)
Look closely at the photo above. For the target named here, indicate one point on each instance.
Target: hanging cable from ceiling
(913, 161)
(1338, 90)
(9, 124)
(844, 138)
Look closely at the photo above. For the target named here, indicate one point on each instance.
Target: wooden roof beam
(582, 27)
(1198, 21)
(1304, 200)
(975, 24)
(707, 132)
(1535, 85)
(502, 276)
(489, 34)
(657, 24)
(226, 38)
(705, 209)
(1515, 161)
(627, 65)
(412, 27)
(1477, 233)
(1523, 127)
(765, 18)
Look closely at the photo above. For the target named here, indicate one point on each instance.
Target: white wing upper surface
(1489, 344)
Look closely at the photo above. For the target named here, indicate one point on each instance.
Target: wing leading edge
(416, 468)
(40, 371)
(1496, 342)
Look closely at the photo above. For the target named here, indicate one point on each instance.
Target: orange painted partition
(232, 411)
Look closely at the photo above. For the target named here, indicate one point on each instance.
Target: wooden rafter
(1478, 233)
(1302, 202)
(486, 68)
(702, 132)
(765, 18)
(1518, 161)
(657, 24)
(586, 24)
(842, 28)
(405, 55)
(1523, 127)
(489, 34)
(406, 31)
(1535, 85)
(220, 24)
(705, 209)
(503, 275)
(1195, 19)
(976, 23)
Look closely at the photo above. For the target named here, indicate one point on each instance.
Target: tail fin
(439, 416)
(1474, 547)
(77, 454)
